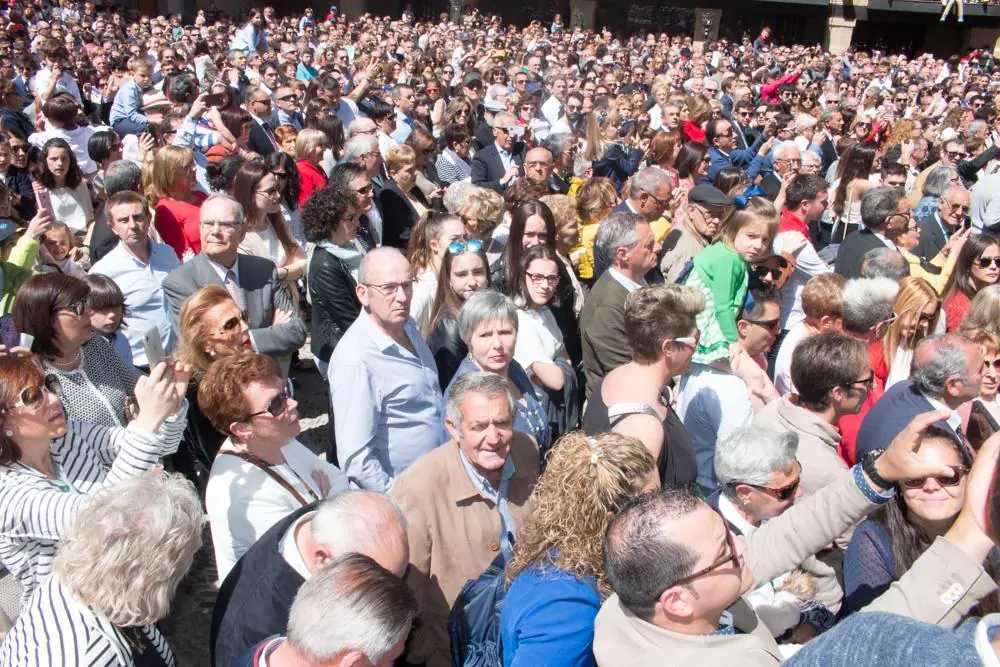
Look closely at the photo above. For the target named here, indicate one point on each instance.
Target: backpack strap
(619, 411)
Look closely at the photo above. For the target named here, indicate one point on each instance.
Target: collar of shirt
(733, 516)
(886, 242)
(986, 628)
(482, 485)
(502, 152)
(954, 419)
(290, 549)
(222, 270)
(625, 281)
(944, 230)
(383, 340)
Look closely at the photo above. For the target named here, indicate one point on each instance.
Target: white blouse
(538, 337)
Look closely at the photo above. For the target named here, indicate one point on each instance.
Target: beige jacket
(454, 534)
(940, 588)
(818, 440)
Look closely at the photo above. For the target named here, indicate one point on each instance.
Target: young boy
(126, 111)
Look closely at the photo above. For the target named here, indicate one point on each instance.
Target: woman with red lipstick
(211, 327)
(48, 465)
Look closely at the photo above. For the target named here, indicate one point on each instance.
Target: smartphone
(153, 347)
(215, 99)
(42, 198)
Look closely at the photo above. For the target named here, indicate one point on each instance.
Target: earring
(9, 434)
(211, 353)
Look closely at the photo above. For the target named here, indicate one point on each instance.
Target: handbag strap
(263, 465)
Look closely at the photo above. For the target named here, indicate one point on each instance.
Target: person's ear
(742, 328)
(318, 558)
(361, 291)
(354, 658)
(676, 603)
(242, 431)
(453, 429)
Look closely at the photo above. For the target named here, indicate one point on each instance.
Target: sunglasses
(275, 407)
(987, 262)
(287, 98)
(33, 398)
(77, 307)
(957, 473)
(765, 271)
(233, 323)
(995, 365)
(458, 247)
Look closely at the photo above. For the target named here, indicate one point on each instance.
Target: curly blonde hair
(585, 479)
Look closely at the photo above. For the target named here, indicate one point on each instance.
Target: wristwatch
(868, 465)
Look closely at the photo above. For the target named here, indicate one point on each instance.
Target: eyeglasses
(364, 189)
(729, 557)
(458, 247)
(268, 192)
(391, 289)
(995, 365)
(538, 279)
(287, 98)
(77, 307)
(987, 262)
(279, 174)
(784, 493)
(954, 479)
(954, 155)
(18, 148)
(275, 407)
(33, 398)
(770, 325)
(959, 207)
(763, 272)
(690, 341)
(868, 383)
(924, 318)
(233, 323)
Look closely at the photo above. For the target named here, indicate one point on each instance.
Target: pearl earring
(9, 434)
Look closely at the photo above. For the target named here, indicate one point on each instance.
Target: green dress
(720, 273)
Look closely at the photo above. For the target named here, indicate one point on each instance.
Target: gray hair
(122, 175)
(477, 382)
(867, 301)
(357, 146)
(786, 148)
(810, 156)
(240, 214)
(827, 114)
(558, 144)
(978, 125)
(753, 455)
(938, 180)
(366, 522)
(453, 195)
(649, 180)
(485, 306)
(878, 204)
(351, 603)
(884, 263)
(617, 231)
(938, 359)
(129, 547)
(581, 165)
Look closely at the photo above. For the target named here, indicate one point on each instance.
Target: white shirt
(290, 550)
(424, 291)
(243, 501)
(783, 363)
(623, 280)
(538, 337)
(552, 110)
(954, 419)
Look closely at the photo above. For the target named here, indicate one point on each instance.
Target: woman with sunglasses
(262, 473)
(981, 416)
(429, 241)
(464, 271)
(438, 103)
(886, 545)
(759, 476)
(978, 265)
(13, 170)
(55, 309)
(915, 316)
(212, 326)
(49, 463)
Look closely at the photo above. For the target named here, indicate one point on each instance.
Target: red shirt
(956, 308)
(849, 424)
(311, 178)
(178, 225)
(790, 222)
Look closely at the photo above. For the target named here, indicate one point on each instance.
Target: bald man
(538, 165)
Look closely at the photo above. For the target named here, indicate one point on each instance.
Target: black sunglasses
(77, 307)
(784, 493)
(765, 271)
(987, 262)
(275, 407)
(957, 473)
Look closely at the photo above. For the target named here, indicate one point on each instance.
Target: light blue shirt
(404, 126)
(387, 403)
(142, 285)
(498, 497)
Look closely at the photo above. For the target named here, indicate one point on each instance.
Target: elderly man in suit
(946, 373)
(886, 213)
(939, 226)
(497, 166)
(629, 241)
(462, 504)
(262, 140)
(679, 574)
(275, 326)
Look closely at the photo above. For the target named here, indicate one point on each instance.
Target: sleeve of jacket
(968, 169)
(743, 157)
(785, 542)
(397, 218)
(333, 293)
(21, 185)
(611, 352)
(284, 338)
(480, 175)
(940, 588)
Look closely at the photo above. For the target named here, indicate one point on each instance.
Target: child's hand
(40, 224)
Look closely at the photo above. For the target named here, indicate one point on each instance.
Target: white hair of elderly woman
(130, 546)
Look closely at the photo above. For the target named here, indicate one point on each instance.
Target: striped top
(452, 167)
(35, 511)
(57, 630)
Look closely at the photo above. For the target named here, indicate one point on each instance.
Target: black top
(676, 464)
(335, 304)
(448, 349)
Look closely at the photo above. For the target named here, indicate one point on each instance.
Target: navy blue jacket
(890, 415)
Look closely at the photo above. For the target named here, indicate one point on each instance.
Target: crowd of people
(686, 351)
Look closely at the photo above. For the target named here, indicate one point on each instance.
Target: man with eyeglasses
(723, 153)
(696, 224)
(950, 218)
(499, 164)
(691, 605)
(786, 160)
(254, 282)
(714, 400)
(387, 403)
(287, 104)
(885, 213)
(262, 140)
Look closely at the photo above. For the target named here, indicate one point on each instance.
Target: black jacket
(398, 214)
(259, 142)
(335, 305)
(256, 596)
(932, 238)
(852, 251)
(487, 168)
(19, 183)
(448, 349)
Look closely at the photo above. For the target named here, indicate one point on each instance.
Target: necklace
(68, 365)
